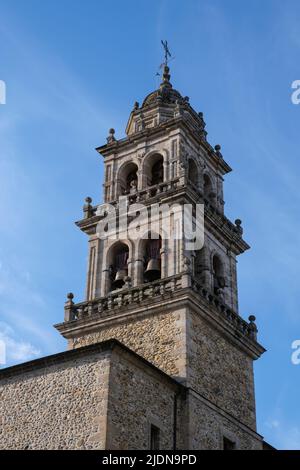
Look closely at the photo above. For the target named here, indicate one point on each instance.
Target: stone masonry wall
(220, 371)
(62, 406)
(138, 397)
(208, 427)
(102, 397)
(158, 338)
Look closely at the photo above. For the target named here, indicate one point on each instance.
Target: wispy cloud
(16, 348)
(285, 435)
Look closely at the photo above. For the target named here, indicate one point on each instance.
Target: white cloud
(16, 348)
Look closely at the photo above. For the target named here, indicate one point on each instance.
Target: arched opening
(193, 172)
(208, 188)
(152, 260)
(218, 275)
(128, 178)
(154, 169)
(118, 269)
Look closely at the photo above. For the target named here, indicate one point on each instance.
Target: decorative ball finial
(238, 224)
(136, 105)
(70, 296)
(88, 208)
(166, 77)
(218, 150)
(111, 136)
(252, 327)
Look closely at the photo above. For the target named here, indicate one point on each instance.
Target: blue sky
(73, 69)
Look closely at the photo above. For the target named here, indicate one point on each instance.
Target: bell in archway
(152, 271)
(119, 280)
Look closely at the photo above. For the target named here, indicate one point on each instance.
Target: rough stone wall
(138, 397)
(98, 400)
(63, 406)
(208, 427)
(158, 338)
(219, 371)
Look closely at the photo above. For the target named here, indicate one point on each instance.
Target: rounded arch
(149, 251)
(218, 272)
(114, 247)
(208, 187)
(193, 172)
(153, 168)
(117, 258)
(127, 177)
(147, 235)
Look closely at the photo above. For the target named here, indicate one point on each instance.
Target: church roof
(165, 93)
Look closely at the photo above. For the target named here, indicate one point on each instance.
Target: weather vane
(167, 51)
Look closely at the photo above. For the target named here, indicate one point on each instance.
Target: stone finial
(69, 307)
(166, 78)
(252, 326)
(177, 110)
(88, 208)
(238, 224)
(202, 124)
(186, 99)
(136, 105)
(111, 136)
(218, 150)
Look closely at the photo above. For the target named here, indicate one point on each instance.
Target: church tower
(175, 307)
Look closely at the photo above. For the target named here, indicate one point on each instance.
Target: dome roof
(168, 95)
(165, 92)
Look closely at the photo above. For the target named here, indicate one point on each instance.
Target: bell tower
(176, 307)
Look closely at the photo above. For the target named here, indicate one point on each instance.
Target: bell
(152, 271)
(119, 279)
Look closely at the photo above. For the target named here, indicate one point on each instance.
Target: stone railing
(137, 196)
(245, 328)
(116, 300)
(221, 219)
(152, 191)
(121, 298)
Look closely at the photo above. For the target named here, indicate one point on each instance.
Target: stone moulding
(164, 291)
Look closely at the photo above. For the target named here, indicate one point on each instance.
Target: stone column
(105, 284)
(163, 259)
(139, 272)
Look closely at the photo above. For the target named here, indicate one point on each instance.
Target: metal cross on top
(167, 52)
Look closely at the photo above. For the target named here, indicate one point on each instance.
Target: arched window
(118, 270)
(128, 178)
(208, 189)
(193, 172)
(157, 172)
(218, 274)
(152, 260)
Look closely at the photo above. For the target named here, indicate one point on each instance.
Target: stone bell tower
(177, 308)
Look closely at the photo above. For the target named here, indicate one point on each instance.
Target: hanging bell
(152, 271)
(119, 280)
